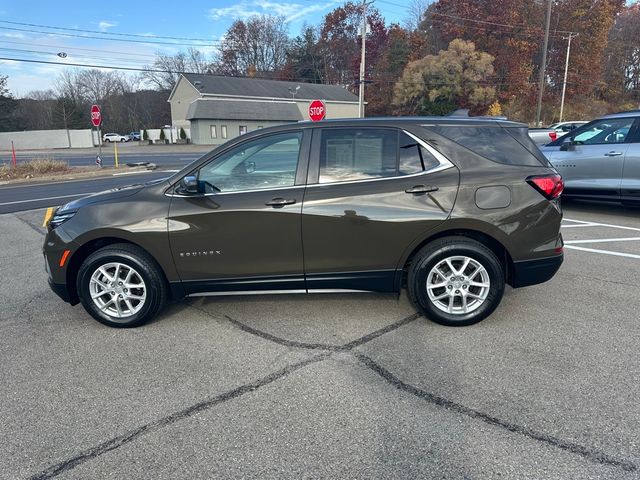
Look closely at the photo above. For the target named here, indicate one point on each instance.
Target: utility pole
(362, 59)
(543, 65)
(566, 69)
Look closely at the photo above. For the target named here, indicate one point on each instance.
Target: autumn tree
(592, 21)
(389, 66)
(509, 30)
(622, 64)
(455, 78)
(304, 58)
(259, 43)
(340, 46)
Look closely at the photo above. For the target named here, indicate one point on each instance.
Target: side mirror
(251, 167)
(568, 145)
(188, 185)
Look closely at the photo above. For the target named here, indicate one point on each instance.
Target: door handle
(421, 189)
(613, 154)
(280, 202)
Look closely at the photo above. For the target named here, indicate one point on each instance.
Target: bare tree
(165, 71)
(259, 44)
(415, 13)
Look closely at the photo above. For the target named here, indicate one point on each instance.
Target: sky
(201, 20)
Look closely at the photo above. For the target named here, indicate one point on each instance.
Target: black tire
(438, 251)
(133, 257)
(122, 140)
(106, 140)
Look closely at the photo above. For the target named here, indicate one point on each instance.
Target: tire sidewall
(486, 258)
(102, 258)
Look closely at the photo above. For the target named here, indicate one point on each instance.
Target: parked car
(450, 208)
(115, 137)
(135, 136)
(601, 160)
(542, 136)
(563, 127)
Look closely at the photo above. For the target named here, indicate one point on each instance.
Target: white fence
(36, 139)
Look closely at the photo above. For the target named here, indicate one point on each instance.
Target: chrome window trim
(444, 164)
(270, 189)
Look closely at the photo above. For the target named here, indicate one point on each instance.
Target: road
(15, 198)
(48, 194)
(329, 386)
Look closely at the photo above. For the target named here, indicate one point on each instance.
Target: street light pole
(543, 65)
(566, 69)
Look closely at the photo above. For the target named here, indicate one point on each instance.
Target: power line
(140, 35)
(94, 37)
(70, 48)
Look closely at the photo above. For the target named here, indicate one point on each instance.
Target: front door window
(265, 163)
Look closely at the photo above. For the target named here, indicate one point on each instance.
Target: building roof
(257, 87)
(229, 110)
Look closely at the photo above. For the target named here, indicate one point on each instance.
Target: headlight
(59, 218)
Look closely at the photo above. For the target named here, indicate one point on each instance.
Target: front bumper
(532, 272)
(62, 291)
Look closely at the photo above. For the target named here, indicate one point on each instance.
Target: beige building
(215, 109)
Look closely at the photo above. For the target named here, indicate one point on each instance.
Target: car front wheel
(121, 286)
(456, 281)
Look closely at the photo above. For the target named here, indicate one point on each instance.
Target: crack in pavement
(589, 454)
(132, 435)
(572, 447)
(327, 351)
(38, 228)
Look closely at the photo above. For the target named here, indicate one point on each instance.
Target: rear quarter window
(507, 145)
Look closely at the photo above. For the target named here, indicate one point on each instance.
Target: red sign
(96, 116)
(317, 110)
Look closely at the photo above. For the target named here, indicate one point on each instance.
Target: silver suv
(600, 160)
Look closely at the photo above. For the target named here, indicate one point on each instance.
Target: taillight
(553, 136)
(550, 186)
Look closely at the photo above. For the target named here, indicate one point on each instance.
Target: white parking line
(602, 240)
(605, 252)
(596, 224)
(47, 198)
(580, 225)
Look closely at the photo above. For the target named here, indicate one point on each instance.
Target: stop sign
(96, 116)
(317, 110)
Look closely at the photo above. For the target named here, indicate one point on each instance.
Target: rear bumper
(532, 272)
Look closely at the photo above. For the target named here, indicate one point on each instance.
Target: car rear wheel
(456, 281)
(107, 140)
(121, 286)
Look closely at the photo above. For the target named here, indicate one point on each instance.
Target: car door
(592, 159)
(630, 187)
(242, 230)
(372, 193)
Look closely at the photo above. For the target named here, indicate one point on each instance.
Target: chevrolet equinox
(450, 208)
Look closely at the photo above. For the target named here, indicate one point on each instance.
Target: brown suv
(450, 208)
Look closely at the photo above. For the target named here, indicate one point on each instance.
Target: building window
(243, 129)
(223, 131)
(214, 134)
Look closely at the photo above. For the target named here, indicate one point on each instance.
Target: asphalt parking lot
(336, 386)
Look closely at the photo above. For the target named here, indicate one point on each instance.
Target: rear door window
(357, 154)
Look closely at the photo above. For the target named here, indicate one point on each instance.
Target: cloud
(290, 11)
(104, 25)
